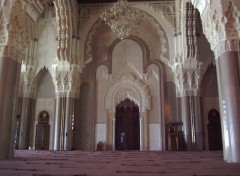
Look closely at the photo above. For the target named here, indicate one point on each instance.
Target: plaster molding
(16, 30)
(27, 86)
(64, 29)
(188, 79)
(128, 87)
(119, 71)
(88, 47)
(102, 71)
(66, 79)
(147, 18)
(222, 29)
(166, 9)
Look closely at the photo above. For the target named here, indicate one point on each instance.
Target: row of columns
(64, 114)
(228, 72)
(63, 133)
(229, 89)
(191, 118)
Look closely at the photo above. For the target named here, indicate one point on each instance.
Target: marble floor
(129, 163)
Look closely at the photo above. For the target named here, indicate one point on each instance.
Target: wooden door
(42, 132)
(127, 129)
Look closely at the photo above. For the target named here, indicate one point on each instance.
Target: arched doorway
(214, 130)
(127, 127)
(43, 131)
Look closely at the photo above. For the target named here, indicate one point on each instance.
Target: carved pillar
(221, 28)
(26, 118)
(230, 93)
(9, 79)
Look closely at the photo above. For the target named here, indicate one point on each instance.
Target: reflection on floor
(130, 163)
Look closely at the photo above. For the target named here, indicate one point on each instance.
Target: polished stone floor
(130, 163)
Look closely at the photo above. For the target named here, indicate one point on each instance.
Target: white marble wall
(127, 59)
(101, 132)
(155, 136)
(46, 44)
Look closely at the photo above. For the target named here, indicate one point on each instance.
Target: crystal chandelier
(121, 18)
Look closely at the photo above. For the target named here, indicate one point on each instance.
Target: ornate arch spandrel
(128, 87)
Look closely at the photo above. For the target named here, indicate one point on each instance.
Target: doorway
(127, 127)
(214, 130)
(43, 131)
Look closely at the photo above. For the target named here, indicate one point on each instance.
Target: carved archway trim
(128, 87)
(155, 23)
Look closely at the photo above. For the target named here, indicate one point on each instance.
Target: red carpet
(131, 163)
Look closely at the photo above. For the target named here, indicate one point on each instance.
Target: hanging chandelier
(121, 18)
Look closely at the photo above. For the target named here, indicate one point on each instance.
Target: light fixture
(121, 18)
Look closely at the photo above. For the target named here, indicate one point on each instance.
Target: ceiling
(111, 1)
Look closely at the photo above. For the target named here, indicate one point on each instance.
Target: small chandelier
(121, 18)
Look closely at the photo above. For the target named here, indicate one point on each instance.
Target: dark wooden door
(42, 137)
(42, 131)
(127, 130)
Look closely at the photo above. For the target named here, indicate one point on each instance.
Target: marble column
(192, 124)
(110, 131)
(141, 133)
(230, 93)
(27, 114)
(186, 119)
(145, 133)
(198, 124)
(113, 132)
(68, 123)
(9, 80)
(223, 119)
(57, 124)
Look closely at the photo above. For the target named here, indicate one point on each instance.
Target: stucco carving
(167, 9)
(128, 87)
(66, 79)
(188, 79)
(102, 71)
(16, 30)
(146, 18)
(222, 29)
(88, 48)
(64, 29)
(27, 86)
(131, 66)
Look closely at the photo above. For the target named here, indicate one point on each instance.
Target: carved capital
(226, 46)
(12, 53)
(66, 81)
(222, 29)
(27, 84)
(187, 79)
